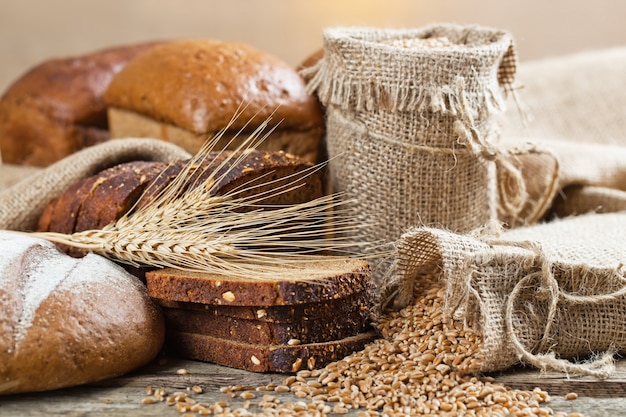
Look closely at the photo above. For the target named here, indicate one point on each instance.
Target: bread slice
(267, 333)
(283, 314)
(264, 358)
(351, 318)
(186, 91)
(343, 276)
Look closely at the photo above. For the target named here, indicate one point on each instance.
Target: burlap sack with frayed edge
(410, 135)
(537, 295)
(23, 202)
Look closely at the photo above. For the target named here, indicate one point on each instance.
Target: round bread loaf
(67, 321)
(56, 108)
(186, 91)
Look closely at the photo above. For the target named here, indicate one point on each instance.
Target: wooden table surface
(123, 396)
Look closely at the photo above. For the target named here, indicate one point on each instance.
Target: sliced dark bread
(256, 172)
(302, 330)
(343, 276)
(264, 358)
(323, 310)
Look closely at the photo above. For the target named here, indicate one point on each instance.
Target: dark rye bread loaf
(57, 107)
(98, 200)
(302, 328)
(257, 172)
(343, 277)
(265, 358)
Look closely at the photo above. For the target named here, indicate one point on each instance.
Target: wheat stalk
(189, 227)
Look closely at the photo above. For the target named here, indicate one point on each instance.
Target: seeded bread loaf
(67, 321)
(56, 108)
(216, 322)
(265, 358)
(188, 90)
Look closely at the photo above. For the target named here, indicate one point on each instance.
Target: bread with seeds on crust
(186, 91)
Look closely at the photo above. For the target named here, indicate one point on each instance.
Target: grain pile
(420, 366)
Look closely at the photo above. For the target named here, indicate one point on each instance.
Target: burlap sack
(10, 174)
(410, 135)
(22, 203)
(540, 294)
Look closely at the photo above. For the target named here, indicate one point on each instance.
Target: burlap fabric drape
(537, 294)
(22, 203)
(574, 106)
(410, 133)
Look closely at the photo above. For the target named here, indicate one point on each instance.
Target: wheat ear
(189, 227)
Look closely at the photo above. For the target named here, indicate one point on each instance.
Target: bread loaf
(98, 200)
(186, 91)
(67, 321)
(56, 108)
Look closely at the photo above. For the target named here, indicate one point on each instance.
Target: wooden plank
(122, 396)
(558, 384)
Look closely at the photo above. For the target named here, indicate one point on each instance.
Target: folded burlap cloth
(23, 202)
(549, 295)
(575, 106)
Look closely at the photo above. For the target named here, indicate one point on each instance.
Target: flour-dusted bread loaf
(56, 108)
(67, 321)
(98, 200)
(188, 90)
